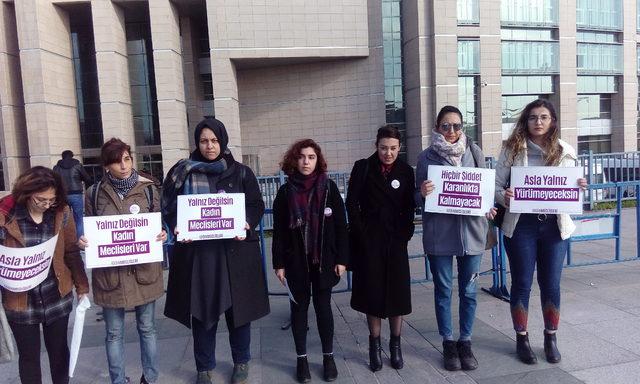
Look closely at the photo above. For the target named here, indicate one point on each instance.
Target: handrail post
(591, 169)
(618, 219)
(638, 221)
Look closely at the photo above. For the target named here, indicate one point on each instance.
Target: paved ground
(599, 335)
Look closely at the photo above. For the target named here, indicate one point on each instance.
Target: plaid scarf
(306, 207)
(187, 177)
(123, 186)
(450, 152)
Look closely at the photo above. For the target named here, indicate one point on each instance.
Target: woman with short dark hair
(535, 242)
(380, 205)
(123, 191)
(309, 247)
(445, 236)
(35, 211)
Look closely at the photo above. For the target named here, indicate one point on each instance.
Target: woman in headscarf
(210, 277)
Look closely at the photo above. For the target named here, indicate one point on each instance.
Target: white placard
(460, 190)
(22, 269)
(550, 190)
(211, 216)
(119, 240)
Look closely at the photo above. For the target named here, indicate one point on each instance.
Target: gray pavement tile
(544, 376)
(625, 333)
(577, 308)
(615, 374)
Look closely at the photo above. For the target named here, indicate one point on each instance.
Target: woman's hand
(492, 213)
(175, 232)
(426, 188)
(508, 195)
(280, 275)
(582, 183)
(82, 242)
(162, 236)
(81, 296)
(339, 269)
(246, 228)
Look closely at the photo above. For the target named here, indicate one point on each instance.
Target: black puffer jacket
(73, 174)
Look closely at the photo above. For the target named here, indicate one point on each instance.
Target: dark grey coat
(445, 234)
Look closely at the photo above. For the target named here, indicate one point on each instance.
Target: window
(393, 80)
(527, 85)
(529, 12)
(595, 143)
(468, 12)
(469, 56)
(599, 14)
(529, 51)
(468, 105)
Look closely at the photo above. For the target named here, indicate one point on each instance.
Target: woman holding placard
(535, 241)
(210, 277)
(123, 191)
(310, 247)
(381, 211)
(35, 212)
(446, 236)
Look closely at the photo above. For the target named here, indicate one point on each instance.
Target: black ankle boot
(467, 359)
(551, 348)
(525, 354)
(329, 367)
(302, 370)
(450, 354)
(375, 353)
(396, 352)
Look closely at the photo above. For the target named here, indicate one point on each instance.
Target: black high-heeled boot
(551, 348)
(375, 353)
(396, 352)
(525, 354)
(302, 370)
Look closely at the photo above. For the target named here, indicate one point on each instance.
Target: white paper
(22, 269)
(76, 338)
(549, 190)
(460, 190)
(211, 216)
(119, 240)
(286, 285)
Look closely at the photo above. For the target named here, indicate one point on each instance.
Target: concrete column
(624, 107)
(225, 94)
(191, 68)
(49, 92)
(113, 71)
(565, 98)
(167, 60)
(13, 133)
(490, 90)
(445, 52)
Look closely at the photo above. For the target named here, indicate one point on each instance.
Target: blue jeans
(76, 202)
(145, 321)
(204, 343)
(536, 242)
(468, 271)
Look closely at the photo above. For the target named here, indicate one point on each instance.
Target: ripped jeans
(442, 270)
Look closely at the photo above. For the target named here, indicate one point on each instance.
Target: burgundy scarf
(306, 199)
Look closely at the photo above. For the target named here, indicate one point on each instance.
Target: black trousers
(55, 340)
(324, 318)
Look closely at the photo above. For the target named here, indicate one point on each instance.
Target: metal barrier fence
(612, 223)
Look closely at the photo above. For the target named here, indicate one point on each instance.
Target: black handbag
(499, 217)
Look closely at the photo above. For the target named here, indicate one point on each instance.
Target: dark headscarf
(221, 134)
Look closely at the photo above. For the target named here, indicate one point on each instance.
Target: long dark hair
(289, 163)
(39, 179)
(518, 138)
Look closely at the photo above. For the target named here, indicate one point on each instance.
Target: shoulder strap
(148, 191)
(94, 197)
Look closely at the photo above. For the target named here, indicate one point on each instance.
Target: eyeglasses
(446, 127)
(45, 203)
(534, 118)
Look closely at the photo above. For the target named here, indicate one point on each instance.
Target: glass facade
(594, 123)
(529, 51)
(597, 84)
(393, 80)
(599, 14)
(592, 58)
(529, 12)
(468, 12)
(468, 105)
(514, 85)
(595, 143)
(86, 77)
(468, 57)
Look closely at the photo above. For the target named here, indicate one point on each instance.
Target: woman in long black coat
(210, 277)
(380, 206)
(310, 247)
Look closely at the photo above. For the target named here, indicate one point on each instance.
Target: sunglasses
(446, 127)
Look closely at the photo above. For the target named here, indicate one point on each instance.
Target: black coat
(244, 261)
(288, 248)
(380, 225)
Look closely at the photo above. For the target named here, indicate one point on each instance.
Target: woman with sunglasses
(35, 211)
(535, 241)
(446, 236)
